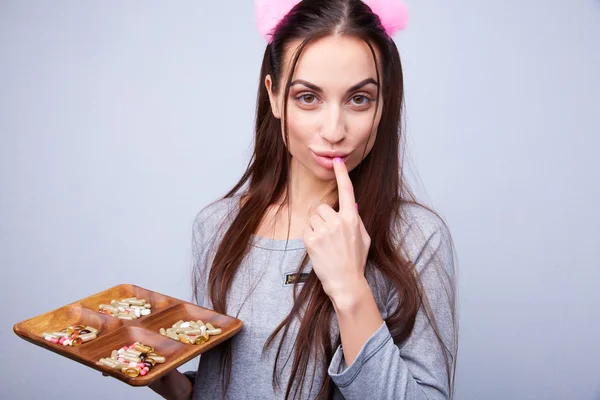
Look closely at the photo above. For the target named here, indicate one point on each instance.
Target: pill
(76, 341)
(213, 332)
(133, 351)
(137, 313)
(162, 331)
(108, 362)
(209, 326)
(137, 302)
(125, 316)
(114, 355)
(185, 325)
(147, 305)
(159, 359)
(143, 372)
(59, 334)
(87, 337)
(145, 312)
(129, 299)
(200, 339)
(199, 322)
(173, 335)
(194, 324)
(131, 372)
(191, 331)
(91, 329)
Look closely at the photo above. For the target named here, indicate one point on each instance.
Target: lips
(326, 159)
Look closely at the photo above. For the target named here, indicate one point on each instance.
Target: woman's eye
(360, 99)
(307, 98)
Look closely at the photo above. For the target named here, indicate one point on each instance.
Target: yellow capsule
(200, 339)
(131, 372)
(186, 339)
(143, 348)
(151, 360)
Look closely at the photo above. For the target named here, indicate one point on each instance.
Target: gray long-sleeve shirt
(413, 369)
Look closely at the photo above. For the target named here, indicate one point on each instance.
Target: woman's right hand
(173, 386)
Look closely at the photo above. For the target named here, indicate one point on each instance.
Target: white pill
(145, 312)
(185, 325)
(137, 312)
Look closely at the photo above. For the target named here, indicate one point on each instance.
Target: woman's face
(331, 104)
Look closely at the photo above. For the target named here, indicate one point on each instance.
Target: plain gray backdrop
(119, 121)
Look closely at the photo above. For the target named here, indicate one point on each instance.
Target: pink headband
(392, 13)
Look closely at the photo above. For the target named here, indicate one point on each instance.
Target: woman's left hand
(337, 242)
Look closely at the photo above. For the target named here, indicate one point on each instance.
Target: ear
(273, 97)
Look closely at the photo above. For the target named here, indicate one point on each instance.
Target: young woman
(344, 283)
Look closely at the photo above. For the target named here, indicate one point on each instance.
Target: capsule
(145, 312)
(87, 337)
(108, 362)
(142, 348)
(200, 339)
(131, 372)
(173, 335)
(162, 331)
(158, 359)
(209, 326)
(126, 316)
(213, 332)
(133, 352)
(137, 302)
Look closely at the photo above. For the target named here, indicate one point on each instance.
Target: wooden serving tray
(115, 333)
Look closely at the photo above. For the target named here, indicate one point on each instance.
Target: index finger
(345, 188)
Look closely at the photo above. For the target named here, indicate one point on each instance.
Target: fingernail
(338, 159)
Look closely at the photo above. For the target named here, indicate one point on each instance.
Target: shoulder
(214, 216)
(423, 234)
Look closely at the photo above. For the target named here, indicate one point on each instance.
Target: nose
(333, 129)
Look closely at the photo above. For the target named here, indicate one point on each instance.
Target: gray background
(119, 122)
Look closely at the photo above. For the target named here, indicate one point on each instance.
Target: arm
(173, 386)
(176, 385)
(375, 366)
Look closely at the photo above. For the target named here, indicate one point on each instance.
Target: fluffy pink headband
(392, 13)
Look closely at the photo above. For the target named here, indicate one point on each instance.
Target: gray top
(413, 369)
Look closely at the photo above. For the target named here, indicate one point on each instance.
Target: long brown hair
(379, 188)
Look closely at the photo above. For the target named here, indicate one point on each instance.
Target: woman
(345, 284)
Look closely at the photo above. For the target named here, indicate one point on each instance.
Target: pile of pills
(74, 335)
(190, 332)
(131, 308)
(134, 360)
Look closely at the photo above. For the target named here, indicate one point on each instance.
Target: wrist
(348, 297)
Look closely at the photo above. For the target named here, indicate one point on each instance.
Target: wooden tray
(115, 333)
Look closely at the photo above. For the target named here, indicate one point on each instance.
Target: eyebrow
(318, 89)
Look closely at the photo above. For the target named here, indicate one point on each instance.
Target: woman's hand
(337, 242)
(173, 386)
